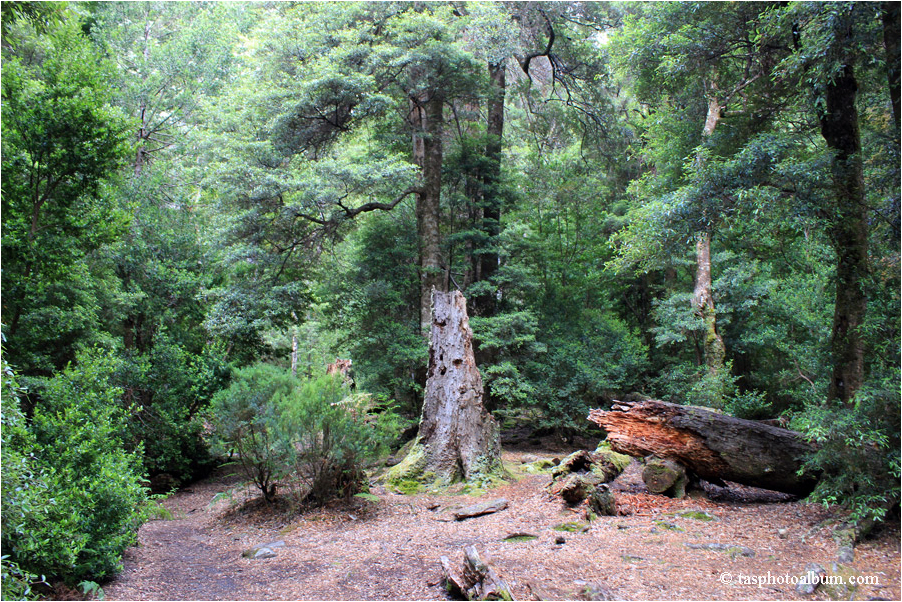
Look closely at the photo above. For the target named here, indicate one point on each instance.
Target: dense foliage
(311, 437)
(203, 204)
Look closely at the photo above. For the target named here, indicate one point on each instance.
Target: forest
(207, 204)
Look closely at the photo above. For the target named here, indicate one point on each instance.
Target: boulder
(666, 477)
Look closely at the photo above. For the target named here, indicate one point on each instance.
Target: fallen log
(489, 507)
(713, 446)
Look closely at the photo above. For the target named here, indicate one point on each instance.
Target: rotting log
(713, 446)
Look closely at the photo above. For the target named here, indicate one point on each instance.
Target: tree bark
(458, 439)
(714, 446)
(849, 234)
(491, 179)
(703, 297)
(429, 127)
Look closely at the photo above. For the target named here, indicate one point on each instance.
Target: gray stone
(846, 554)
(480, 509)
(810, 579)
(265, 550)
(731, 549)
(593, 591)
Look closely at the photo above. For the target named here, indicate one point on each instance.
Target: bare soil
(390, 549)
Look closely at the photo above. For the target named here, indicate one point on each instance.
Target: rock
(731, 549)
(666, 477)
(518, 537)
(265, 550)
(846, 554)
(810, 579)
(593, 591)
(578, 461)
(481, 509)
(579, 474)
(841, 583)
(259, 553)
(528, 459)
(782, 533)
(572, 527)
(602, 502)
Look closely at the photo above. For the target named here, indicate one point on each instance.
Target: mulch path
(390, 549)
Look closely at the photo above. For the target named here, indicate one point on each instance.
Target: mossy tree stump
(457, 439)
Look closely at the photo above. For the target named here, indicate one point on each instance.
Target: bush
(312, 436)
(333, 434)
(246, 420)
(77, 502)
(173, 388)
(858, 450)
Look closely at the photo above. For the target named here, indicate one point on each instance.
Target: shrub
(77, 504)
(858, 450)
(173, 387)
(311, 435)
(333, 434)
(246, 420)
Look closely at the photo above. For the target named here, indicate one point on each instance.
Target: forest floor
(390, 549)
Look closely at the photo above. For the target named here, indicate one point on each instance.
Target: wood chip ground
(390, 549)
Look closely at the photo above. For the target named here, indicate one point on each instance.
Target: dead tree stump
(477, 580)
(457, 439)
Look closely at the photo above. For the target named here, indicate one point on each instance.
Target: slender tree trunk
(703, 301)
(428, 144)
(849, 233)
(891, 34)
(491, 215)
(703, 297)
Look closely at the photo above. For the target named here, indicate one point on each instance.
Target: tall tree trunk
(849, 234)
(458, 439)
(491, 177)
(891, 34)
(428, 150)
(703, 301)
(703, 297)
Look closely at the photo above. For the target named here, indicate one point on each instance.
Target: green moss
(619, 461)
(519, 537)
(694, 514)
(408, 487)
(572, 527)
(846, 585)
(410, 468)
(670, 526)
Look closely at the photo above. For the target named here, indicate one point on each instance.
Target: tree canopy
(693, 201)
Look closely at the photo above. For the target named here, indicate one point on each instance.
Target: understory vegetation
(206, 204)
